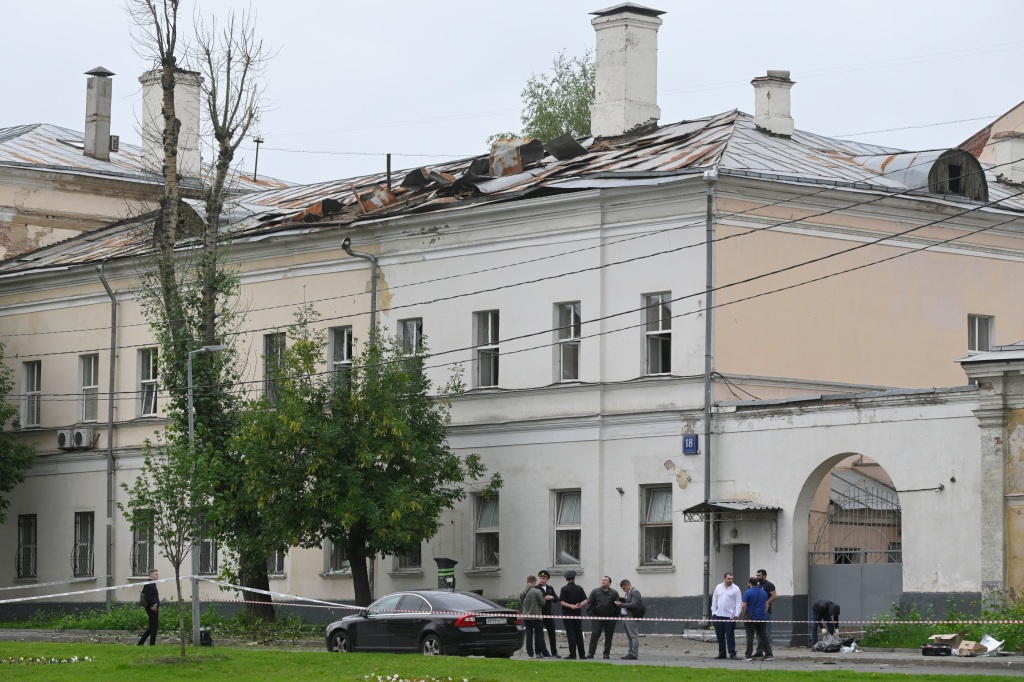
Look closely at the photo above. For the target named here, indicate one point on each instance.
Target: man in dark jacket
(573, 599)
(602, 604)
(827, 611)
(631, 604)
(152, 605)
(532, 602)
(755, 608)
(550, 597)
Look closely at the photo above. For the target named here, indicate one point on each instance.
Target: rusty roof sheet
(50, 148)
(728, 142)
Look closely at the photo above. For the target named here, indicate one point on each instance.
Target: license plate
(495, 621)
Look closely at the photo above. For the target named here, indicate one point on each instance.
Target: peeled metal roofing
(728, 142)
(50, 148)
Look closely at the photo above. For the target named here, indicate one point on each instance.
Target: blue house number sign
(691, 444)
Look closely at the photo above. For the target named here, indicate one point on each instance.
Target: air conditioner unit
(66, 439)
(83, 438)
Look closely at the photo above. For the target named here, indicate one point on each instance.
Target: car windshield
(454, 601)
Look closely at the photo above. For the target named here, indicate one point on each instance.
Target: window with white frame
(979, 333)
(658, 323)
(143, 546)
(569, 332)
(90, 371)
(486, 546)
(147, 382)
(656, 527)
(82, 552)
(410, 561)
(341, 349)
(337, 561)
(207, 552)
(273, 358)
(486, 348)
(568, 528)
(32, 412)
(410, 333)
(26, 556)
(275, 562)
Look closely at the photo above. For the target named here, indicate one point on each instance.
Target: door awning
(730, 510)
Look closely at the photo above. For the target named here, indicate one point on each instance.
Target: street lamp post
(191, 446)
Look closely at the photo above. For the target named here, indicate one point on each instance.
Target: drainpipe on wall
(110, 437)
(710, 178)
(346, 246)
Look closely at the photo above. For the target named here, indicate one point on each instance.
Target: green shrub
(887, 631)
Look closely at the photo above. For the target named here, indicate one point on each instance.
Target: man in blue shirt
(755, 609)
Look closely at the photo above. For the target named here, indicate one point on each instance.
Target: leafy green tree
(172, 496)
(558, 103)
(360, 457)
(15, 457)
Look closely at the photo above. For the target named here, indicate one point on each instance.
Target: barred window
(207, 553)
(26, 557)
(82, 552)
(410, 560)
(143, 547)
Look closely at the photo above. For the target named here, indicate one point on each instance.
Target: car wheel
(431, 646)
(340, 643)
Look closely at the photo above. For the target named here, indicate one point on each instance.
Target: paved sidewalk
(696, 649)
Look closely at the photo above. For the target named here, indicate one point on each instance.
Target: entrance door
(741, 565)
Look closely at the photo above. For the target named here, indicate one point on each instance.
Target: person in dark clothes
(573, 599)
(827, 612)
(550, 597)
(152, 598)
(532, 602)
(602, 604)
(769, 587)
(755, 609)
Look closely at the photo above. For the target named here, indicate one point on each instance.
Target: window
(207, 553)
(487, 348)
(143, 547)
(656, 528)
(979, 333)
(568, 529)
(337, 562)
(486, 546)
(26, 557)
(410, 333)
(341, 349)
(90, 366)
(895, 553)
(273, 358)
(569, 341)
(147, 382)
(410, 560)
(33, 393)
(82, 552)
(658, 319)
(955, 179)
(275, 562)
(847, 555)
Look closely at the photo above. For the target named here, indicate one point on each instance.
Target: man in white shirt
(725, 610)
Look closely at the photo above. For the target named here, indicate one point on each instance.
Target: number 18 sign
(691, 444)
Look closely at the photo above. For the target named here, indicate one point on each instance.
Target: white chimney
(626, 67)
(186, 108)
(1009, 155)
(772, 112)
(98, 94)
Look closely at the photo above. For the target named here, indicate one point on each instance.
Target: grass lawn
(121, 662)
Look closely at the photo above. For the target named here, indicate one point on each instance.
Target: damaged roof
(522, 169)
(49, 148)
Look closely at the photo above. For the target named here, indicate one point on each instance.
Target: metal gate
(856, 557)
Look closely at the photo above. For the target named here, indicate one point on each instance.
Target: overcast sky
(418, 78)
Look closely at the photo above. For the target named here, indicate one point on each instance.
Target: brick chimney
(626, 67)
(98, 94)
(186, 108)
(771, 103)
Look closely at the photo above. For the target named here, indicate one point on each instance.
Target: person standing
(573, 599)
(151, 598)
(755, 606)
(550, 597)
(532, 601)
(630, 605)
(769, 588)
(824, 611)
(725, 610)
(601, 604)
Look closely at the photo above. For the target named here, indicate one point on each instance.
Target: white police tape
(77, 592)
(32, 586)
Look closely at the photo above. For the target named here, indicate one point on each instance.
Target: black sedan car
(433, 622)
